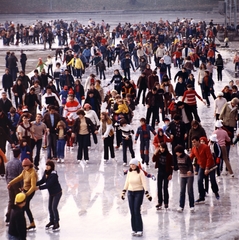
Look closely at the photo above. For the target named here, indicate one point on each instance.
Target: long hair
(137, 169)
(106, 118)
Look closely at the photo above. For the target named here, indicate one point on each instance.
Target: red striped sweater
(190, 96)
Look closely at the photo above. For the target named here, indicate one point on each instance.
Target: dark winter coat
(199, 132)
(7, 81)
(50, 182)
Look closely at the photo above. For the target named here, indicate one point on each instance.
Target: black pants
(118, 137)
(83, 143)
(52, 207)
(23, 66)
(38, 145)
(50, 68)
(127, 144)
(127, 73)
(27, 207)
(219, 73)
(18, 100)
(194, 111)
(9, 91)
(109, 145)
(162, 183)
(139, 93)
(12, 192)
(154, 111)
(51, 148)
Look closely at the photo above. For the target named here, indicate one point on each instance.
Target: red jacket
(203, 155)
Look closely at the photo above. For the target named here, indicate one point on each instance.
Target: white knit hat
(134, 161)
(220, 94)
(218, 124)
(213, 138)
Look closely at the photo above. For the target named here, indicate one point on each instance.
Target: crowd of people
(61, 106)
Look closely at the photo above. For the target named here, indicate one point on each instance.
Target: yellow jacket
(29, 178)
(76, 63)
(122, 108)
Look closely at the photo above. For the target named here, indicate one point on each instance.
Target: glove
(123, 195)
(148, 196)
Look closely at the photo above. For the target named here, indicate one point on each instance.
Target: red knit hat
(26, 162)
(71, 92)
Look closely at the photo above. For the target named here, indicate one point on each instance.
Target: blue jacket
(51, 183)
(15, 120)
(24, 153)
(144, 135)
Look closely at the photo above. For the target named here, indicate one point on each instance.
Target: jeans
(78, 97)
(27, 207)
(83, 143)
(135, 199)
(52, 207)
(162, 183)
(189, 182)
(78, 73)
(102, 74)
(200, 182)
(61, 148)
(38, 144)
(144, 151)
(127, 73)
(51, 145)
(127, 143)
(109, 144)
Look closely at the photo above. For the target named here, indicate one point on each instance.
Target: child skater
(40, 64)
(127, 132)
(61, 141)
(25, 149)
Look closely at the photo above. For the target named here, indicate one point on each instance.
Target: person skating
(136, 186)
(144, 133)
(186, 178)
(164, 163)
(50, 182)
(17, 226)
(29, 178)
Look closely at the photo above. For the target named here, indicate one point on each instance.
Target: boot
(56, 227)
(50, 224)
(31, 226)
